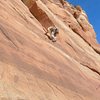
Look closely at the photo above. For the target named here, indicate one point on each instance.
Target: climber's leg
(53, 37)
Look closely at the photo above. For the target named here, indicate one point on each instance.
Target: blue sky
(92, 8)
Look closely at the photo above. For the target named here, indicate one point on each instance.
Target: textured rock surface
(34, 68)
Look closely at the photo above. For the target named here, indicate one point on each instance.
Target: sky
(92, 8)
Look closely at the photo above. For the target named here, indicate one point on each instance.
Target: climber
(53, 31)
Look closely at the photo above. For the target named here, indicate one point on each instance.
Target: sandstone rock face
(32, 67)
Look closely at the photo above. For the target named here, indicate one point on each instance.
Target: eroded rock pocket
(38, 13)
